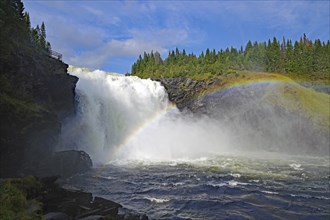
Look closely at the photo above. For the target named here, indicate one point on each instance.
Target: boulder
(68, 163)
(56, 216)
(70, 204)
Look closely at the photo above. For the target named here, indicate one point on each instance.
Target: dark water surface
(224, 187)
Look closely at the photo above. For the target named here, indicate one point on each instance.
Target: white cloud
(148, 40)
(91, 34)
(166, 36)
(93, 11)
(114, 48)
(100, 16)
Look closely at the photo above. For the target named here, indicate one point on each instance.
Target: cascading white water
(131, 118)
(110, 107)
(128, 118)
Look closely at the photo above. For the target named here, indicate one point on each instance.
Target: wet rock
(68, 163)
(93, 217)
(62, 163)
(79, 205)
(56, 216)
(186, 92)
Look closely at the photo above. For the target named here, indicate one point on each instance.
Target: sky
(110, 35)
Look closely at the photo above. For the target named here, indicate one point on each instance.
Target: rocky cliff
(36, 95)
(187, 93)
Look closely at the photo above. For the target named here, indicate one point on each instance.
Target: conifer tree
(304, 57)
(42, 36)
(158, 59)
(16, 32)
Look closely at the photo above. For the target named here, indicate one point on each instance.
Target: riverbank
(43, 198)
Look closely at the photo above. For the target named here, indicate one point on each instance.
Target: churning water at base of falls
(152, 158)
(224, 187)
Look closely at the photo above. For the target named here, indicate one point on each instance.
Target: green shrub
(13, 198)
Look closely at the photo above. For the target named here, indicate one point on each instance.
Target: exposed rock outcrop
(43, 198)
(186, 93)
(37, 94)
(69, 162)
(60, 203)
(61, 163)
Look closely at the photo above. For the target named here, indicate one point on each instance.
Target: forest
(16, 33)
(303, 58)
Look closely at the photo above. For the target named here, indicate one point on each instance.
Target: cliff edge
(36, 95)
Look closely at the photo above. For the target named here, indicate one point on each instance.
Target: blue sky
(110, 35)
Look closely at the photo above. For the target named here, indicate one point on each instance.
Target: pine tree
(289, 58)
(304, 57)
(273, 56)
(248, 47)
(158, 59)
(177, 52)
(48, 48)
(27, 20)
(20, 8)
(16, 33)
(43, 43)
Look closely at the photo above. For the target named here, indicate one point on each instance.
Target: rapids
(224, 187)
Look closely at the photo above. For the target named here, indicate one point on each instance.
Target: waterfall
(128, 118)
(110, 107)
(131, 118)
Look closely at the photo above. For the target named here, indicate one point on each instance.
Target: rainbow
(262, 79)
(157, 116)
(171, 107)
(252, 80)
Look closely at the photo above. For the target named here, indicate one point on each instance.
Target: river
(154, 159)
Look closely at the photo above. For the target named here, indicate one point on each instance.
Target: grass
(16, 199)
(319, 78)
(288, 95)
(304, 101)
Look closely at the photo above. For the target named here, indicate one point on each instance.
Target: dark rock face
(60, 203)
(66, 163)
(186, 93)
(61, 163)
(38, 94)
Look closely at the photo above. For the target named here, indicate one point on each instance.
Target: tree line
(300, 57)
(16, 32)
